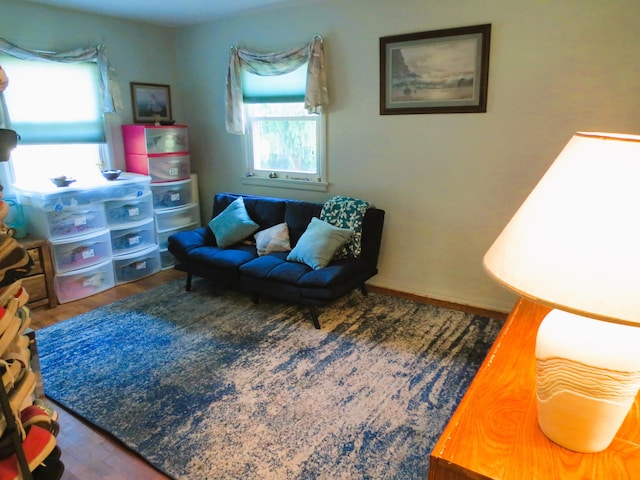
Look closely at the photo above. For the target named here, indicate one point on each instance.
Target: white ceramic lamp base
(587, 378)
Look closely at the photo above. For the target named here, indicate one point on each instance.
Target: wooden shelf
(494, 432)
(39, 281)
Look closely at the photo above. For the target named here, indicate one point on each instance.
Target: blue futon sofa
(259, 264)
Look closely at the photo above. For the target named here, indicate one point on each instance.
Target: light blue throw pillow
(319, 243)
(233, 224)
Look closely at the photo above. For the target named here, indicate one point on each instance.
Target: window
(56, 109)
(286, 144)
(276, 101)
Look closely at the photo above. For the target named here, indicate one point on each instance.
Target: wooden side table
(494, 432)
(39, 281)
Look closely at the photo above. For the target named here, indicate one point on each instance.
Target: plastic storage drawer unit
(82, 283)
(122, 212)
(135, 266)
(67, 222)
(171, 194)
(171, 218)
(81, 251)
(132, 237)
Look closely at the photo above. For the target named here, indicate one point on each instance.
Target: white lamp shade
(574, 244)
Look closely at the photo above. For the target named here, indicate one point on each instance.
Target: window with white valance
(56, 102)
(108, 88)
(277, 100)
(270, 64)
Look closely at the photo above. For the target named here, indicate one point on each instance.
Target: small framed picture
(440, 71)
(150, 102)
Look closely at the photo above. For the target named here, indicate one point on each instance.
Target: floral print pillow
(346, 212)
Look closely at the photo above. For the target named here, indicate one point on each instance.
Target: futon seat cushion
(275, 268)
(231, 258)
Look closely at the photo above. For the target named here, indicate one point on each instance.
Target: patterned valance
(110, 91)
(279, 63)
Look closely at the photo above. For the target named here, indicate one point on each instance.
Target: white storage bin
(82, 283)
(162, 238)
(122, 212)
(172, 218)
(132, 237)
(67, 222)
(82, 251)
(167, 260)
(134, 266)
(171, 194)
(167, 167)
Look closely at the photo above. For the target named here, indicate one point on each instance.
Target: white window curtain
(278, 63)
(111, 98)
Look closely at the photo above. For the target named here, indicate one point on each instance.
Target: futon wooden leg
(363, 289)
(188, 286)
(314, 316)
(255, 298)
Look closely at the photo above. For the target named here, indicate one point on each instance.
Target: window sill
(283, 183)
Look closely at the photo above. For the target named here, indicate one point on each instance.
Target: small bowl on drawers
(62, 181)
(111, 174)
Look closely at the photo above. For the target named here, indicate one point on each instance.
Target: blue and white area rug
(207, 385)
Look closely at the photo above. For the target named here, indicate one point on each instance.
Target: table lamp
(574, 245)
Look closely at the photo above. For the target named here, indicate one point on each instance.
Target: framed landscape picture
(150, 102)
(439, 71)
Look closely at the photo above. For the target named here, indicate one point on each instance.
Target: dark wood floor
(87, 453)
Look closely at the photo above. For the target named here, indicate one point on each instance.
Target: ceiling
(173, 13)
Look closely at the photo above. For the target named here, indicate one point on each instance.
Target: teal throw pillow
(233, 224)
(319, 243)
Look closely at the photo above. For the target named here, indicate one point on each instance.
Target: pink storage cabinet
(159, 151)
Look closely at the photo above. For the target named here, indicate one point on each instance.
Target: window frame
(286, 179)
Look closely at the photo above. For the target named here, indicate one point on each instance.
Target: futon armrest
(181, 243)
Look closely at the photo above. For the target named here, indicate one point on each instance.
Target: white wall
(448, 182)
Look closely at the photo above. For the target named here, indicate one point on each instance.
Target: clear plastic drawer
(145, 139)
(133, 237)
(172, 218)
(168, 167)
(167, 260)
(162, 238)
(82, 251)
(167, 139)
(122, 212)
(127, 185)
(171, 194)
(128, 268)
(82, 283)
(67, 222)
